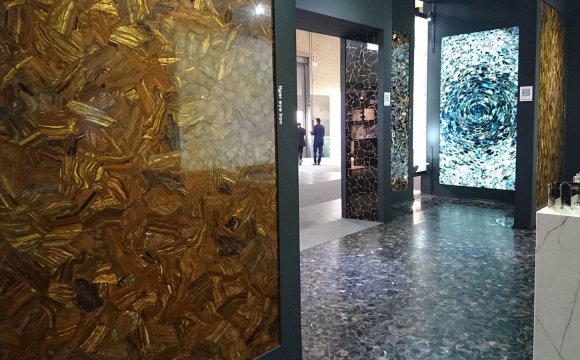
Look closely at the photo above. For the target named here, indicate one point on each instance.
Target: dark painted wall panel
(405, 15)
(572, 78)
(525, 199)
(288, 221)
(384, 124)
(366, 12)
(463, 16)
(328, 25)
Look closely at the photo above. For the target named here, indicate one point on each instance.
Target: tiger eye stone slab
(550, 102)
(138, 198)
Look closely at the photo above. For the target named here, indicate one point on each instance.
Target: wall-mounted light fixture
(423, 15)
(430, 16)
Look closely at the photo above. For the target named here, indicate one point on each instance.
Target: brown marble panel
(138, 211)
(551, 102)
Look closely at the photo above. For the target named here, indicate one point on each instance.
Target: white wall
(420, 94)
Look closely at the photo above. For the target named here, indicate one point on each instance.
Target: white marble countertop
(557, 285)
(557, 211)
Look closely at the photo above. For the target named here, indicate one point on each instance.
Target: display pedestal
(557, 287)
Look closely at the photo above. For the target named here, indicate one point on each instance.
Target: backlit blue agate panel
(479, 84)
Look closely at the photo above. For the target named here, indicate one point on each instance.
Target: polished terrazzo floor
(446, 279)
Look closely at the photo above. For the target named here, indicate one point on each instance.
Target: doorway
(319, 94)
(303, 99)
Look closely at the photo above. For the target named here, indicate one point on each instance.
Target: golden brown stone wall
(138, 213)
(551, 102)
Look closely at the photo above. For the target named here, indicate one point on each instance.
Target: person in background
(318, 143)
(301, 142)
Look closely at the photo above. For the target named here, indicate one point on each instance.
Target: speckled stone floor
(447, 279)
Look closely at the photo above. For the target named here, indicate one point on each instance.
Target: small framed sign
(526, 93)
(387, 99)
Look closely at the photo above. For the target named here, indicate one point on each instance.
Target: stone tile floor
(446, 279)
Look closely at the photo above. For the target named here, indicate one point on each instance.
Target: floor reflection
(444, 280)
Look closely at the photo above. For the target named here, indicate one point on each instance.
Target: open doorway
(319, 90)
(319, 95)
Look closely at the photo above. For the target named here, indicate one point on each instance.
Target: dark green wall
(525, 194)
(288, 221)
(572, 115)
(374, 13)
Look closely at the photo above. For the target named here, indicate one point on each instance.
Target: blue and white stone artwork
(479, 84)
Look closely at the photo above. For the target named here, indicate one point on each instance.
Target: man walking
(318, 143)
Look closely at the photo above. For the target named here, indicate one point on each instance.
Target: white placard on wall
(387, 99)
(526, 93)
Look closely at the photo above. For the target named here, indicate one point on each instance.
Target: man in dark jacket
(301, 142)
(318, 133)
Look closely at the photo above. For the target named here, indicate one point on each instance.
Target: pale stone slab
(557, 286)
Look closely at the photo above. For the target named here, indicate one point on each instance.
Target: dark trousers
(317, 149)
(300, 152)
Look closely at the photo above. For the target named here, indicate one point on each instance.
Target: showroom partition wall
(483, 166)
(139, 198)
(572, 101)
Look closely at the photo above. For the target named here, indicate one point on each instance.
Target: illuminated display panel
(479, 80)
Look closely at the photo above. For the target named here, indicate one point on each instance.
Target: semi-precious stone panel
(400, 109)
(361, 66)
(551, 101)
(138, 212)
(479, 83)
